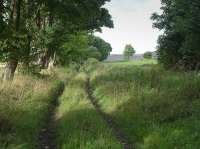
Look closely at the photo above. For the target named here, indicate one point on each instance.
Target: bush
(148, 55)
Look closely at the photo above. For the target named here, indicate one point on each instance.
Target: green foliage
(33, 31)
(179, 45)
(90, 65)
(16, 43)
(156, 109)
(148, 55)
(80, 46)
(102, 46)
(77, 49)
(128, 51)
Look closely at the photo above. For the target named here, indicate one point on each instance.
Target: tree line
(44, 32)
(178, 46)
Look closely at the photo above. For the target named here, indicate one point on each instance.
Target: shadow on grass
(161, 110)
(84, 129)
(25, 118)
(148, 130)
(22, 131)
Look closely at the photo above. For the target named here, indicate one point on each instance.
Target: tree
(179, 44)
(128, 51)
(35, 30)
(81, 46)
(148, 55)
(76, 49)
(102, 46)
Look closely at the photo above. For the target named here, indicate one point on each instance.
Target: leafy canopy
(148, 55)
(179, 44)
(128, 51)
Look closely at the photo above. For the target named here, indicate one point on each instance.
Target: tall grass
(24, 106)
(157, 109)
(79, 126)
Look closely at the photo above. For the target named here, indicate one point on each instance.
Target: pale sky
(132, 25)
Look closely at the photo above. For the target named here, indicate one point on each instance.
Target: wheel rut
(117, 132)
(47, 135)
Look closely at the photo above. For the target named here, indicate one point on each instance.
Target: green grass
(157, 109)
(135, 62)
(79, 126)
(23, 109)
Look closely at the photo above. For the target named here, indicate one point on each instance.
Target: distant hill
(120, 57)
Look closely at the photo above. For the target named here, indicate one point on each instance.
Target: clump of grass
(24, 105)
(79, 126)
(157, 109)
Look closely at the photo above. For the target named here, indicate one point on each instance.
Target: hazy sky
(132, 25)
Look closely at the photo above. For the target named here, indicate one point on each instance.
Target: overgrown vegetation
(24, 106)
(79, 126)
(157, 109)
(35, 33)
(178, 47)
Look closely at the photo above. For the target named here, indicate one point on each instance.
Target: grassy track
(154, 108)
(157, 109)
(79, 124)
(116, 131)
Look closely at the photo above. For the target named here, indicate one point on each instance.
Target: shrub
(148, 55)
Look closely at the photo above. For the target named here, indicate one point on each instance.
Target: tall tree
(35, 28)
(179, 45)
(14, 24)
(102, 46)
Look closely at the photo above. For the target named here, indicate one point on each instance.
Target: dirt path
(117, 132)
(47, 135)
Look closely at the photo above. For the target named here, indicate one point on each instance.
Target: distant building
(120, 57)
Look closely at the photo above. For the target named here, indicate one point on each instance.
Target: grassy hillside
(157, 109)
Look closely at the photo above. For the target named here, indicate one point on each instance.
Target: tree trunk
(38, 20)
(12, 10)
(1, 8)
(9, 70)
(52, 62)
(18, 15)
(15, 18)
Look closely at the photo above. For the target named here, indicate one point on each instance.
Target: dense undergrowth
(24, 106)
(79, 126)
(157, 109)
